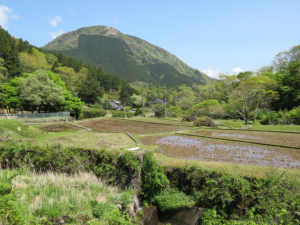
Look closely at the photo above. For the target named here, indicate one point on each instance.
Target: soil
(113, 125)
(59, 127)
(224, 151)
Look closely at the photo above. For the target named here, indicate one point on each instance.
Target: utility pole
(107, 105)
(142, 99)
(165, 104)
(125, 108)
(101, 103)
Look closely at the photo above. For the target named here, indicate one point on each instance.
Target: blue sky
(212, 36)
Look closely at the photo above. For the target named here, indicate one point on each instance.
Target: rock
(150, 215)
(135, 184)
(131, 209)
(187, 216)
(118, 206)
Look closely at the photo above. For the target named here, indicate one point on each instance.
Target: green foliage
(121, 114)
(153, 178)
(10, 94)
(10, 54)
(159, 110)
(280, 117)
(204, 121)
(10, 211)
(173, 199)
(138, 112)
(206, 104)
(40, 92)
(101, 209)
(124, 198)
(93, 113)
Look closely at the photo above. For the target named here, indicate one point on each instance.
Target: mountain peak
(141, 52)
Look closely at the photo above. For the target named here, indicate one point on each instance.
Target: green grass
(57, 195)
(162, 121)
(92, 140)
(9, 128)
(227, 168)
(256, 126)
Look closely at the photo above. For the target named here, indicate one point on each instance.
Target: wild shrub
(138, 112)
(173, 199)
(10, 211)
(280, 117)
(93, 113)
(153, 178)
(121, 114)
(124, 198)
(101, 209)
(204, 121)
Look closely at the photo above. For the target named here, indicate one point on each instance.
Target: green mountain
(126, 56)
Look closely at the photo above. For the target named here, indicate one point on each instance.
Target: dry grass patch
(93, 140)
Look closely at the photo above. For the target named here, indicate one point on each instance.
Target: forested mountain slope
(126, 56)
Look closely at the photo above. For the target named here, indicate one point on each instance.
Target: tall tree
(253, 95)
(40, 92)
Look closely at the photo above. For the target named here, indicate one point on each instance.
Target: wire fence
(37, 116)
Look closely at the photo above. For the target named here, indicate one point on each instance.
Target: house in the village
(116, 105)
(157, 101)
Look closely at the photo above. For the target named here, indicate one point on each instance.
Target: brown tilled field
(133, 127)
(184, 147)
(285, 139)
(58, 127)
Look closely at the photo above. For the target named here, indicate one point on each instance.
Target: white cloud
(6, 15)
(54, 21)
(56, 34)
(211, 73)
(71, 11)
(237, 70)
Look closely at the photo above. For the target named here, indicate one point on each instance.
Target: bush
(189, 119)
(280, 117)
(138, 112)
(153, 178)
(205, 121)
(101, 209)
(121, 114)
(92, 113)
(172, 199)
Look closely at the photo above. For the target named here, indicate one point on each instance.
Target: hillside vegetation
(137, 53)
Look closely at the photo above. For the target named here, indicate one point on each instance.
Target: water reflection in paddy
(222, 151)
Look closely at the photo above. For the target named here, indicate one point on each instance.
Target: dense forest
(115, 57)
(67, 79)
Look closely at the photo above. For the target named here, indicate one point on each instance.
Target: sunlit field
(133, 127)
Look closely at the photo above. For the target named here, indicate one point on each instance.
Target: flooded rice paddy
(284, 139)
(133, 127)
(224, 151)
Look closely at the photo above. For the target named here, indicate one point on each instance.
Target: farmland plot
(224, 151)
(133, 127)
(285, 139)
